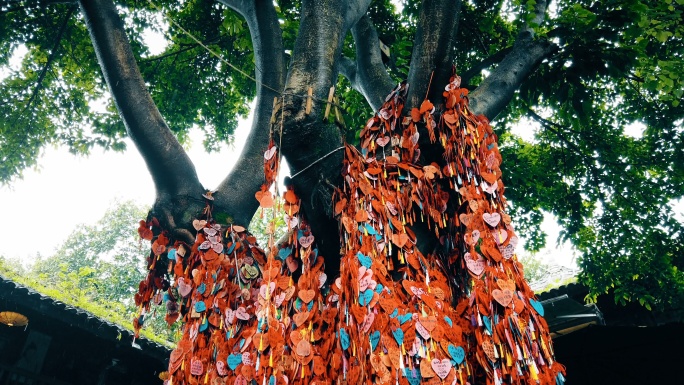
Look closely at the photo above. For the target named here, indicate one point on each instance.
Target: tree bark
(236, 191)
(497, 90)
(430, 69)
(312, 148)
(433, 51)
(367, 74)
(310, 145)
(169, 165)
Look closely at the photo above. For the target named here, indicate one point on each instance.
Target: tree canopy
(599, 83)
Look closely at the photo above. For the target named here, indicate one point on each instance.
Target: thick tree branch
(539, 14)
(178, 188)
(354, 11)
(433, 52)
(368, 75)
(306, 138)
(486, 63)
(236, 191)
(169, 165)
(497, 90)
(347, 69)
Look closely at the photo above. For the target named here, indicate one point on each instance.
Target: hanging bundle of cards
(430, 290)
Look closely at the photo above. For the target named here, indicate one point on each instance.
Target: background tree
(584, 71)
(101, 264)
(105, 254)
(97, 268)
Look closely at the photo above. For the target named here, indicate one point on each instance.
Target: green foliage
(192, 87)
(12, 265)
(264, 222)
(356, 112)
(535, 268)
(288, 12)
(47, 98)
(617, 70)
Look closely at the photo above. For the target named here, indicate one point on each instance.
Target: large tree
(588, 73)
(584, 71)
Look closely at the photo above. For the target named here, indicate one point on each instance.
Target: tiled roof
(17, 297)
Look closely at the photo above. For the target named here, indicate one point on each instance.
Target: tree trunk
(312, 147)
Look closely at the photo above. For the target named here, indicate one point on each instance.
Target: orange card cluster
(461, 313)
